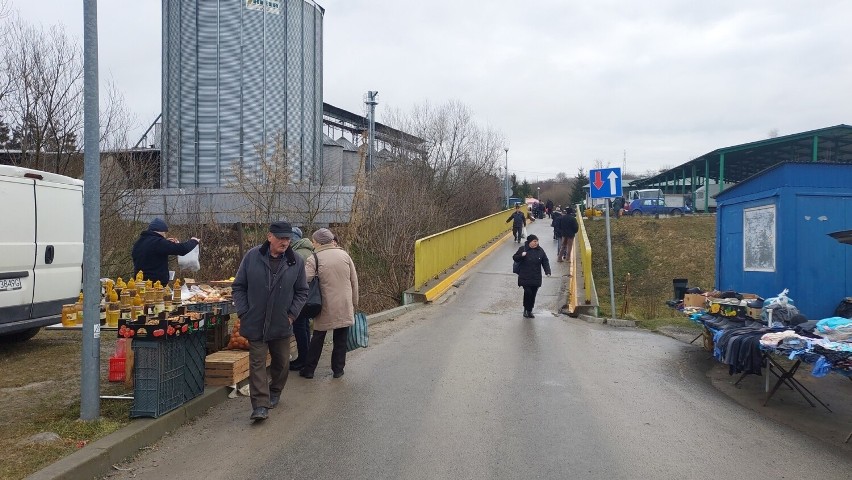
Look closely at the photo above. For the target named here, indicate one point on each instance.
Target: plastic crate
(116, 369)
(196, 352)
(158, 371)
(218, 336)
(226, 307)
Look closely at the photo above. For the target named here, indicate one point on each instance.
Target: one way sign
(605, 183)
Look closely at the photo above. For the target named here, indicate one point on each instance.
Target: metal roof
(739, 162)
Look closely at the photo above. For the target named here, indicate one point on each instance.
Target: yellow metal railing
(585, 255)
(435, 254)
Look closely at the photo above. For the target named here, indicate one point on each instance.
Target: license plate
(10, 284)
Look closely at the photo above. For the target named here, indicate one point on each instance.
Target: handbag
(358, 337)
(313, 305)
(516, 266)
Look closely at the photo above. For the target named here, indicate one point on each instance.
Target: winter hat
(297, 233)
(323, 236)
(158, 225)
(530, 238)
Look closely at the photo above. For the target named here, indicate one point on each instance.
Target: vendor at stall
(152, 250)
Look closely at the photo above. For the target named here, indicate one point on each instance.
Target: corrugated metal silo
(332, 161)
(351, 161)
(239, 75)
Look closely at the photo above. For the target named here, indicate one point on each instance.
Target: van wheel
(677, 212)
(635, 213)
(21, 336)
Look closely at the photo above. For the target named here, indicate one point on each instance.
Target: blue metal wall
(811, 200)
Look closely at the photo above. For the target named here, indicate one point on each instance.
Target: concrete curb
(613, 322)
(96, 459)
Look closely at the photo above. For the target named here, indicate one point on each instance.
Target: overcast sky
(566, 81)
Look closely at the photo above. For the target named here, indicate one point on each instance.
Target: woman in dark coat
(532, 259)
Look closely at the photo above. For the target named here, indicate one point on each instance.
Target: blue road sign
(605, 183)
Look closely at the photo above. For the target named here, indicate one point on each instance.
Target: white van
(41, 249)
(699, 196)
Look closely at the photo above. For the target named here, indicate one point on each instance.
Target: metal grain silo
(238, 76)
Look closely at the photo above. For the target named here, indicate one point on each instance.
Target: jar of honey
(69, 315)
(112, 314)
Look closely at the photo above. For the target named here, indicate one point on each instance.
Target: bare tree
(43, 95)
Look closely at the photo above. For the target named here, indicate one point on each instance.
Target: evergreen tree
(578, 195)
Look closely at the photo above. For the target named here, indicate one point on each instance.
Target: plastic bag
(189, 262)
(524, 232)
(358, 337)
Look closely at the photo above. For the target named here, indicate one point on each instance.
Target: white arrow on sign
(612, 176)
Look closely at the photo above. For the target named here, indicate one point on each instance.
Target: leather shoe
(296, 366)
(303, 373)
(274, 399)
(260, 414)
(530, 314)
(338, 374)
(526, 314)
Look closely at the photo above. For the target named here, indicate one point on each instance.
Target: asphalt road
(467, 388)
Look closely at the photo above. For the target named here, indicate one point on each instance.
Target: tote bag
(358, 336)
(313, 305)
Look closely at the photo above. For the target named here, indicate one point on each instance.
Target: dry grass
(653, 251)
(40, 392)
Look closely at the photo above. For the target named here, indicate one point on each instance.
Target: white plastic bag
(189, 262)
(524, 232)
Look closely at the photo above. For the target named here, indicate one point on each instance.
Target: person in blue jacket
(152, 250)
(518, 223)
(532, 259)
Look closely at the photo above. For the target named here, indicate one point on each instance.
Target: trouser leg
(280, 367)
(258, 379)
(314, 351)
(301, 330)
(569, 246)
(529, 297)
(338, 353)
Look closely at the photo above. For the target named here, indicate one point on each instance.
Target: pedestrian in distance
(519, 221)
(554, 222)
(532, 260)
(338, 282)
(568, 227)
(301, 327)
(269, 291)
(152, 250)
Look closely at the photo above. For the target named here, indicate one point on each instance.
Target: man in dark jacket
(532, 259)
(557, 235)
(151, 252)
(269, 291)
(518, 222)
(568, 227)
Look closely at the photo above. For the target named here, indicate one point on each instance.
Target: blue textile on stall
(821, 368)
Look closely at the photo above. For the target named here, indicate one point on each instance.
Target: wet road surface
(468, 388)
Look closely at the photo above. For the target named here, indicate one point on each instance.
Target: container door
(59, 247)
(17, 248)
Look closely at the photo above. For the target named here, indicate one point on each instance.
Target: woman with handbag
(532, 260)
(338, 282)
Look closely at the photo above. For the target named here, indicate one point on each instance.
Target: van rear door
(59, 246)
(17, 248)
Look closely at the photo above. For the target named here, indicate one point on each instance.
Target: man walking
(568, 227)
(269, 291)
(518, 222)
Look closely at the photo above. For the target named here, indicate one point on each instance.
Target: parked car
(656, 206)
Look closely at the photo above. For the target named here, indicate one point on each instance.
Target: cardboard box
(694, 300)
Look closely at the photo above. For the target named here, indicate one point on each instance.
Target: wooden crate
(228, 367)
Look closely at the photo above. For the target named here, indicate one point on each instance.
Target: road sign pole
(609, 253)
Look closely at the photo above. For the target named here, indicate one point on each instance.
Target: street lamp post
(506, 177)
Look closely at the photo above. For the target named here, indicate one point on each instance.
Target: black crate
(218, 335)
(196, 352)
(158, 372)
(225, 307)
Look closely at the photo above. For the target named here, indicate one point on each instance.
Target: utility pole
(371, 132)
(90, 374)
(506, 177)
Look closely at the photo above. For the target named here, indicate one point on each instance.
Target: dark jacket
(151, 255)
(555, 216)
(263, 300)
(531, 265)
(568, 226)
(519, 220)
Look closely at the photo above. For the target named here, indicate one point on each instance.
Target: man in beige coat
(339, 286)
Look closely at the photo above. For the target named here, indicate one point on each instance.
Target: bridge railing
(435, 254)
(585, 257)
